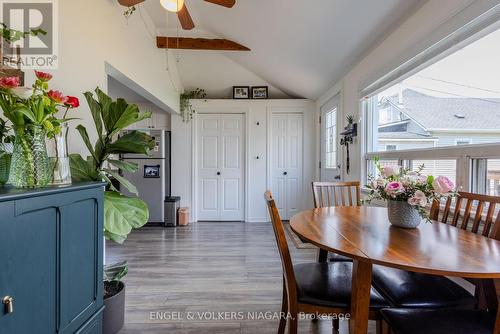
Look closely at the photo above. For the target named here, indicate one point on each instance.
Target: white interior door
(329, 137)
(220, 167)
(287, 162)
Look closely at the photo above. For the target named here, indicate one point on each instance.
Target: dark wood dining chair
(315, 288)
(328, 194)
(473, 212)
(466, 204)
(438, 321)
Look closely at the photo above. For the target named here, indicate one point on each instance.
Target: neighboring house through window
(455, 101)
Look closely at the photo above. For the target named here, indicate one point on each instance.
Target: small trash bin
(171, 206)
(183, 216)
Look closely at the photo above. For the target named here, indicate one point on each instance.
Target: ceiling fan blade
(185, 18)
(129, 3)
(225, 3)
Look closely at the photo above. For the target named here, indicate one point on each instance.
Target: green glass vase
(30, 164)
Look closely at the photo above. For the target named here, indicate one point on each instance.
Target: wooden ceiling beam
(186, 43)
(225, 3)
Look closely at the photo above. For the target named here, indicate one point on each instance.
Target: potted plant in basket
(408, 193)
(121, 213)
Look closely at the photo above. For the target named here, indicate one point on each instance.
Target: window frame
(324, 123)
(471, 159)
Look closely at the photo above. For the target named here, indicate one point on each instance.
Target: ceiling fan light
(172, 5)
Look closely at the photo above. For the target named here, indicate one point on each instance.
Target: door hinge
(320, 165)
(319, 119)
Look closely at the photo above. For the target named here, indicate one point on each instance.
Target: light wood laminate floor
(202, 270)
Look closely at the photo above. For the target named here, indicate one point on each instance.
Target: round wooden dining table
(364, 234)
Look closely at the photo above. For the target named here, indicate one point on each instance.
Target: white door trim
(269, 114)
(194, 157)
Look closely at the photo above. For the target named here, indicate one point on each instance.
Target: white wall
(93, 33)
(182, 149)
(432, 22)
(217, 74)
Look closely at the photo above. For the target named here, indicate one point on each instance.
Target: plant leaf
(95, 110)
(123, 181)
(26, 112)
(132, 142)
(105, 177)
(119, 114)
(85, 136)
(119, 239)
(82, 170)
(127, 166)
(122, 214)
(115, 272)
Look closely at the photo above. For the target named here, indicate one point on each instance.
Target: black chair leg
(322, 256)
(336, 325)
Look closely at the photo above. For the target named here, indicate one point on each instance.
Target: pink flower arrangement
(43, 76)
(9, 82)
(394, 188)
(35, 105)
(443, 185)
(72, 102)
(56, 96)
(400, 184)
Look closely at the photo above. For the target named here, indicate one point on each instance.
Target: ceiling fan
(179, 7)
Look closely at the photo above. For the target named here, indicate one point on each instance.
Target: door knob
(8, 302)
(285, 173)
(218, 173)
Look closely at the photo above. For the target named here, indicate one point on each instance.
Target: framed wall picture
(152, 172)
(260, 92)
(241, 92)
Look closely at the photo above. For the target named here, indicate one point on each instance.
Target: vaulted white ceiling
(299, 47)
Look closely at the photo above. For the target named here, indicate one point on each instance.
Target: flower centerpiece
(32, 112)
(408, 193)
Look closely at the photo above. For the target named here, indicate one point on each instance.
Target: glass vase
(30, 166)
(59, 158)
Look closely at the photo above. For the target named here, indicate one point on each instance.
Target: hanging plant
(186, 107)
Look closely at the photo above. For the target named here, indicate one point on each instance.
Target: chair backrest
(286, 259)
(327, 194)
(487, 225)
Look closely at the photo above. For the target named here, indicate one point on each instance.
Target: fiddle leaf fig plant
(121, 213)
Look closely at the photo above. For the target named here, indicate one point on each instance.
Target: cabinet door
(81, 259)
(28, 269)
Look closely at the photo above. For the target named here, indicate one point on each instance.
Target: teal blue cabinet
(51, 252)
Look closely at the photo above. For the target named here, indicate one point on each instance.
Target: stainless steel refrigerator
(153, 177)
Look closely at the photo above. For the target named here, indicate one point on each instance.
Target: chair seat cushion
(439, 321)
(333, 257)
(415, 290)
(329, 284)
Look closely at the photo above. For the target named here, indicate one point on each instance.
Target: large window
(455, 101)
(445, 116)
